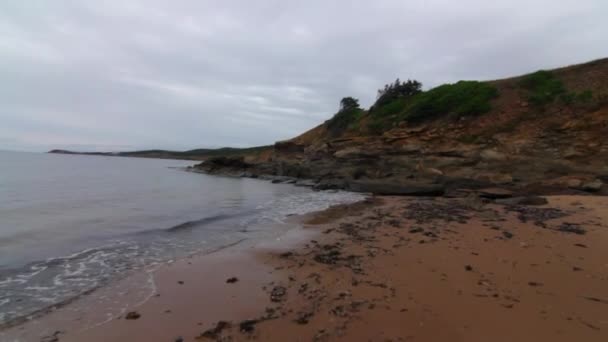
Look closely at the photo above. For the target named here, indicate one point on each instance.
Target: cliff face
(544, 132)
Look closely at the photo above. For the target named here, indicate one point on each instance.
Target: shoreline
(75, 316)
(394, 268)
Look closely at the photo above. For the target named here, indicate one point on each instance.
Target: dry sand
(393, 269)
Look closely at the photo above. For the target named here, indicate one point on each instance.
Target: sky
(119, 75)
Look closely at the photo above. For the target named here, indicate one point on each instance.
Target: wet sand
(392, 269)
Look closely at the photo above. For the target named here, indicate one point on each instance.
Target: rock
(305, 182)
(225, 162)
(468, 268)
(495, 193)
(397, 189)
(501, 178)
(526, 200)
(351, 152)
(54, 337)
(288, 146)
(492, 155)
(278, 294)
(507, 234)
(303, 317)
(279, 179)
(214, 332)
(428, 170)
(247, 326)
(593, 186)
(132, 315)
(572, 228)
(574, 183)
(571, 152)
(330, 184)
(232, 280)
(409, 148)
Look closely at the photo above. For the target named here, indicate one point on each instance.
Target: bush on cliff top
(397, 90)
(464, 98)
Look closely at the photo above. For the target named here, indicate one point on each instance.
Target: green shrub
(543, 88)
(465, 98)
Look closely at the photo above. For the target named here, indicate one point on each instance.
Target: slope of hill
(538, 132)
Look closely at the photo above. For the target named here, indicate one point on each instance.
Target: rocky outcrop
(517, 146)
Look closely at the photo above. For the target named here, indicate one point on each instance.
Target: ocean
(70, 223)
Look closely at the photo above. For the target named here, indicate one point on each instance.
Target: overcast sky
(123, 75)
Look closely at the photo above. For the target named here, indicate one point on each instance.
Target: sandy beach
(387, 269)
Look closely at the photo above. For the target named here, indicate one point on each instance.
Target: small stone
(215, 332)
(132, 315)
(232, 280)
(468, 268)
(278, 293)
(247, 326)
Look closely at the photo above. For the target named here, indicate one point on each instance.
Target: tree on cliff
(345, 118)
(348, 103)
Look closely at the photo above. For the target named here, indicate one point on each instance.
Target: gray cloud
(118, 75)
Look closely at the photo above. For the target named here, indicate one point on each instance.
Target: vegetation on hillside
(405, 101)
(543, 88)
(464, 98)
(397, 90)
(348, 116)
